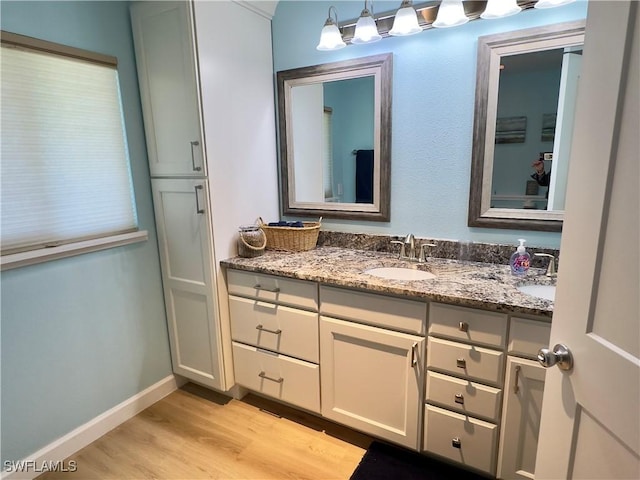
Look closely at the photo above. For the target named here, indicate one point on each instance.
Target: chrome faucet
(551, 268)
(408, 249)
(410, 242)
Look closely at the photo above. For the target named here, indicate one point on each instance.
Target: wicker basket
(292, 239)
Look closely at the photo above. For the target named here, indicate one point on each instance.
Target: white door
(162, 34)
(590, 424)
(372, 379)
(186, 256)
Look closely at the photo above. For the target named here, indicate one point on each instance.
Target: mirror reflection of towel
(364, 176)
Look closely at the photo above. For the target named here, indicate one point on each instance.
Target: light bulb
(450, 14)
(330, 37)
(500, 9)
(552, 3)
(406, 20)
(366, 29)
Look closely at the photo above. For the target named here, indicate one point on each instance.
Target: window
(64, 161)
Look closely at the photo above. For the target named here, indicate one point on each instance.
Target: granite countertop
(472, 284)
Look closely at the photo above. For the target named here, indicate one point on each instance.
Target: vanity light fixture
(331, 38)
(406, 20)
(450, 14)
(500, 9)
(552, 3)
(410, 19)
(366, 28)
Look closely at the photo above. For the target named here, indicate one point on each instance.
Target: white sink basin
(547, 292)
(399, 273)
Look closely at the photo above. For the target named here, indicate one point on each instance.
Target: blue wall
(81, 335)
(433, 100)
(352, 128)
(530, 94)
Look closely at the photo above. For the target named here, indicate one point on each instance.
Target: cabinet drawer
(285, 378)
(466, 361)
(271, 288)
(380, 310)
(464, 396)
(468, 325)
(465, 440)
(526, 336)
(275, 327)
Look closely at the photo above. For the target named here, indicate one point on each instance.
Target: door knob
(560, 355)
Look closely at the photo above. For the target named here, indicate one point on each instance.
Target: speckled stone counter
(479, 285)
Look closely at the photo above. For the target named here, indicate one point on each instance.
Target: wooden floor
(196, 433)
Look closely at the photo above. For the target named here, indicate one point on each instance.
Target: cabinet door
(184, 238)
(162, 33)
(371, 379)
(523, 391)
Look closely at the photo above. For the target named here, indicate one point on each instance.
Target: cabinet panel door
(468, 361)
(520, 418)
(460, 438)
(186, 257)
(275, 327)
(288, 379)
(164, 46)
(371, 379)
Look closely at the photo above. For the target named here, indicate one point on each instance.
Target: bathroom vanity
(445, 366)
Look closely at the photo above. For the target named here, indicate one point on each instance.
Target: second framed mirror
(335, 139)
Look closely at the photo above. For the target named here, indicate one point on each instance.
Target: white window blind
(327, 161)
(64, 160)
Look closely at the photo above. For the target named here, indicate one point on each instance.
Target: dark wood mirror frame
(380, 209)
(480, 215)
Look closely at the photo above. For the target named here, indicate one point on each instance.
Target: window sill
(16, 260)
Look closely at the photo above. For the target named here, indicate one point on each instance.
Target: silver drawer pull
(199, 210)
(456, 443)
(264, 375)
(459, 398)
(516, 387)
(257, 286)
(463, 326)
(414, 356)
(195, 143)
(262, 329)
(461, 363)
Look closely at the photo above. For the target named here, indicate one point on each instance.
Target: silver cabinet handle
(414, 356)
(456, 443)
(461, 363)
(264, 375)
(262, 329)
(516, 387)
(257, 286)
(199, 210)
(463, 326)
(195, 143)
(459, 398)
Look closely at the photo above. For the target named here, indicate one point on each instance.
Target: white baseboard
(82, 436)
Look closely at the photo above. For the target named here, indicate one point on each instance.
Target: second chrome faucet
(408, 249)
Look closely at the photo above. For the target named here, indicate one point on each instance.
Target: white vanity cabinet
(186, 256)
(465, 360)
(274, 328)
(372, 363)
(168, 87)
(523, 390)
(194, 87)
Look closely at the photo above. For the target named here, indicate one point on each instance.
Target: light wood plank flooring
(196, 433)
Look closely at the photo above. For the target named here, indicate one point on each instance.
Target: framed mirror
(526, 88)
(335, 139)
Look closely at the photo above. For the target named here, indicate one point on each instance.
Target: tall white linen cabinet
(205, 72)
